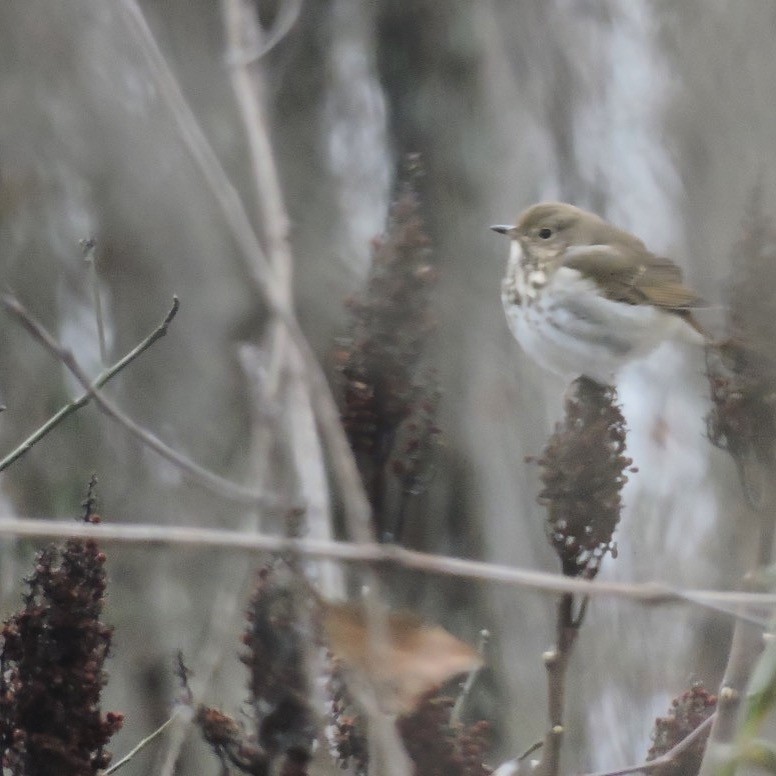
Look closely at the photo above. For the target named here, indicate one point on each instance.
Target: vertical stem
(556, 662)
(401, 514)
(89, 248)
(243, 32)
(746, 645)
(377, 487)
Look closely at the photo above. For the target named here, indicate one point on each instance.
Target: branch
(556, 662)
(89, 249)
(244, 37)
(220, 631)
(101, 380)
(243, 34)
(649, 593)
(285, 20)
(669, 758)
(197, 473)
(285, 383)
(141, 744)
(356, 506)
(746, 645)
(463, 696)
(201, 151)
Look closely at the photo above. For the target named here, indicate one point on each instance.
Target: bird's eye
(545, 233)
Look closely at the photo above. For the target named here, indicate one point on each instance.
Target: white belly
(571, 330)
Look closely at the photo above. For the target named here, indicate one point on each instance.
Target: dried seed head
(583, 472)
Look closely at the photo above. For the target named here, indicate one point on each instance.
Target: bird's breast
(524, 279)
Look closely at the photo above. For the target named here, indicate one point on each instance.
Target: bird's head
(546, 230)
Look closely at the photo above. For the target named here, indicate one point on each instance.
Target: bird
(584, 297)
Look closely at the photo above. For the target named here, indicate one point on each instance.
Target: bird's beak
(502, 229)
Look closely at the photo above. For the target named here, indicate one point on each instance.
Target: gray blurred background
(658, 115)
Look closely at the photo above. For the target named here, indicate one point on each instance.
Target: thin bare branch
(745, 647)
(243, 31)
(201, 151)
(556, 662)
(243, 34)
(356, 506)
(652, 593)
(300, 366)
(194, 471)
(344, 468)
(89, 249)
(668, 758)
(222, 625)
(355, 503)
(284, 22)
(99, 382)
(463, 695)
(142, 744)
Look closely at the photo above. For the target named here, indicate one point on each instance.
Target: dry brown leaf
(412, 659)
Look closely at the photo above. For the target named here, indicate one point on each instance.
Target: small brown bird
(583, 297)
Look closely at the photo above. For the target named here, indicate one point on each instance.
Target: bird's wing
(635, 277)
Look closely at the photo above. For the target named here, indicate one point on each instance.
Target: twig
(746, 645)
(356, 505)
(142, 744)
(243, 33)
(197, 473)
(386, 751)
(650, 593)
(556, 662)
(285, 385)
(286, 18)
(534, 747)
(202, 153)
(514, 766)
(89, 247)
(221, 628)
(99, 382)
(463, 695)
(666, 759)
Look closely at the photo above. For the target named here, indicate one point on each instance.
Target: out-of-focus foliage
(742, 367)
(280, 732)
(687, 712)
(388, 401)
(52, 666)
